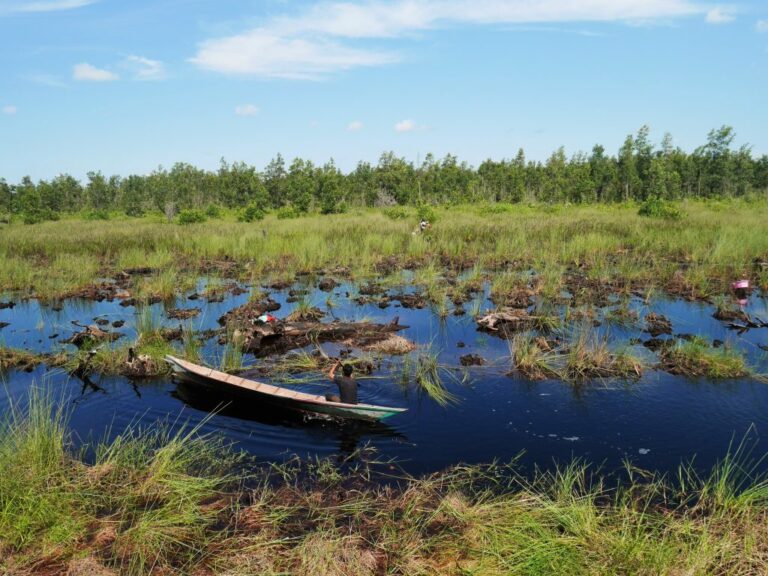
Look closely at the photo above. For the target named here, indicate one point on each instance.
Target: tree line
(638, 171)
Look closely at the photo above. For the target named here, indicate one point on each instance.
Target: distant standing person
(346, 383)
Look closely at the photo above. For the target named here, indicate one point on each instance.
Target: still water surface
(655, 422)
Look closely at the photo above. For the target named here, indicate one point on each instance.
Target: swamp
(571, 374)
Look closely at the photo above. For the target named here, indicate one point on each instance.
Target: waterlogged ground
(655, 422)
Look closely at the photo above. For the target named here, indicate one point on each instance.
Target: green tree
(715, 161)
(134, 195)
(361, 184)
(602, 170)
(395, 177)
(581, 187)
(99, 191)
(556, 177)
(275, 181)
(301, 184)
(330, 191)
(628, 176)
(6, 197)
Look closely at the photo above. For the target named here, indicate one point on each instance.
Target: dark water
(655, 422)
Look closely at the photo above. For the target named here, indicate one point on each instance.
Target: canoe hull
(248, 390)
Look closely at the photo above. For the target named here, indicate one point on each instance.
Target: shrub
(191, 216)
(38, 215)
(425, 212)
(659, 208)
(252, 213)
(333, 207)
(396, 213)
(97, 215)
(499, 208)
(213, 211)
(287, 212)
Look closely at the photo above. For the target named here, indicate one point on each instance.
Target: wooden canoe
(221, 382)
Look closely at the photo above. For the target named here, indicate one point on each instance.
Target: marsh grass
(17, 358)
(589, 357)
(165, 501)
(697, 358)
(608, 243)
(531, 359)
(232, 355)
(430, 377)
(143, 505)
(582, 357)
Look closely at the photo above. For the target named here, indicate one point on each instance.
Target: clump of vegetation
(213, 211)
(37, 215)
(426, 212)
(697, 358)
(660, 208)
(495, 208)
(160, 490)
(191, 216)
(533, 356)
(232, 356)
(585, 357)
(252, 213)
(397, 213)
(18, 359)
(97, 215)
(429, 375)
(589, 357)
(287, 213)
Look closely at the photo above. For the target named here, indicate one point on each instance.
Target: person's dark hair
(347, 369)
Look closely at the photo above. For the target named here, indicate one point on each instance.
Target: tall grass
(697, 358)
(608, 244)
(143, 505)
(166, 502)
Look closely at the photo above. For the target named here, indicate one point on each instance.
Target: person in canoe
(346, 383)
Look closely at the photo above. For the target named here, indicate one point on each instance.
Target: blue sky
(124, 86)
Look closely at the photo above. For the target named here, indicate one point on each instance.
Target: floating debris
(91, 334)
(507, 320)
(472, 360)
(183, 313)
(394, 345)
(657, 324)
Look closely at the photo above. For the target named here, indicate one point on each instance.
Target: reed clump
(697, 358)
(583, 357)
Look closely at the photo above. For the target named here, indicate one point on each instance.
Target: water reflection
(349, 435)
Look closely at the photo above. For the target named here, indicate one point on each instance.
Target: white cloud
(326, 37)
(405, 126)
(87, 73)
(762, 26)
(261, 53)
(44, 6)
(720, 15)
(246, 110)
(355, 126)
(10, 110)
(144, 68)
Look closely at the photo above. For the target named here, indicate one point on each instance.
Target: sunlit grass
(162, 501)
(609, 243)
(698, 358)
